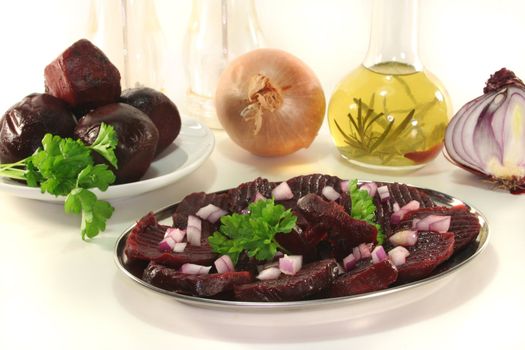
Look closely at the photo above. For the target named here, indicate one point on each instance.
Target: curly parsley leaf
(65, 167)
(105, 143)
(363, 208)
(253, 232)
(94, 212)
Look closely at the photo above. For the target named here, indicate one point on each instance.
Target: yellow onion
(487, 135)
(270, 102)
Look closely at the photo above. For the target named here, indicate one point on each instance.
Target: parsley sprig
(253, 232)
(65, 167)
(363, 208)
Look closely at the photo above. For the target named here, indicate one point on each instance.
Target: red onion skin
(481, 113)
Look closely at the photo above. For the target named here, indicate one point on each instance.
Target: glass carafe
(390, 113)
(219, 31)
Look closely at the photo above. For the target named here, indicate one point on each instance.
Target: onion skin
(270, 103)
(487, 135)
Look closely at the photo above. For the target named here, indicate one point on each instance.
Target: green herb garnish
(65, 167)
(363, 208)
(253, 232)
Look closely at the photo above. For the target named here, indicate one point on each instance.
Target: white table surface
(57, 291)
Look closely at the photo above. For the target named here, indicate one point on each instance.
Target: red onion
(194, 269)
(399, 215)
(330, 193)
(344, 186)
(425, 223)
(211, 212)
(193, 230)
(175, 233)
(370, 187)
(179, 247)
(364, 250)
(398, 255)
(349, 262)
(270, 273)
(224, 264)
(167, 244)
(384, 193)
(441, 226)
(357, 253)
(396, 207)
(379, 254)
(282, 192)
(404, 238)
(258, 197)
(487, 135)
(290, 264)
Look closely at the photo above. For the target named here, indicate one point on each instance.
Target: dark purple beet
(143, 244)
(159, 108)
(244, 194)
(23, 126)
(464, 224)
(312, 279)
(431, 249)
(402, 194)
(198, 285)
(83, 77)
(137, 138)
(344, 232)
(368, 279)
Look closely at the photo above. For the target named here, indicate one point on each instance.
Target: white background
(461, 42)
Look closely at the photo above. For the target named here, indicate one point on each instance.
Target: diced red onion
(379, 254)
(349, 262)
(404, 238)
(211, 212)
(259, 196)
(167, 244)
(270, 273)
(398, 255)
(396, 207)
(195, 222)
(224, 264)
(206, 211)
(344, 186)
(414, 222)
(193, 231)
(424, 223)
(282, 192)
(216, 215)
(290, 264)
(194, 269)
(330, 193)
(176, 233)
(245, 211)
(179, 247)
(364, 250)
(400, 214)
(441, 226)
(370, 187)
(384, 193)
(357, 253)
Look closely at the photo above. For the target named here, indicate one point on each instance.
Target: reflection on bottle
(218, 32)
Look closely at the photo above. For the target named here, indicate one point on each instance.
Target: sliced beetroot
(313, 278)
(464, 224)
(208, 285)
(431, 249)
(143, 244)
(344, 232)
(314, 183)
(364, 280)
(83, 77)
(191, 204)
(400, 194)
(244, 194)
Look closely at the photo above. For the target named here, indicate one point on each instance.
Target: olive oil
(389, 116)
